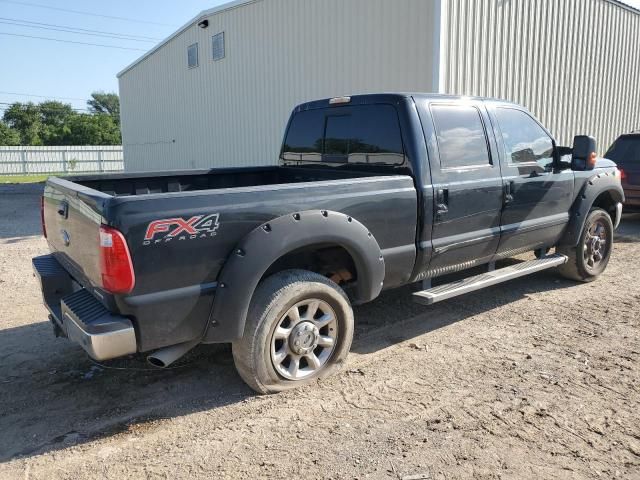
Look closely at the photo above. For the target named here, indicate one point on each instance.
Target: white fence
(60, 160)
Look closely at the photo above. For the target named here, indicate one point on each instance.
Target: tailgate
(72, 216)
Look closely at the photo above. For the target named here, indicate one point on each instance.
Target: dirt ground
(537, 378)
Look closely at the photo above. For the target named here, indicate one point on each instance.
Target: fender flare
(256, 252)
(598, 184)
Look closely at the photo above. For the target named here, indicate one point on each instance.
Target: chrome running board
(477, 282)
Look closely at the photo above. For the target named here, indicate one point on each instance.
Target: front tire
(590, 257)
(299, 328)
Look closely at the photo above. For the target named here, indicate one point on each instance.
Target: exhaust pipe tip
(166, 356)
(156, 362)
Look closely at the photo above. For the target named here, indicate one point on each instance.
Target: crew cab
(371, 192)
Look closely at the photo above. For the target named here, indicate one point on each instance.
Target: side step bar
(477, 282)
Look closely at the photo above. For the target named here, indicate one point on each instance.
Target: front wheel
(299, 328)
(590, 257)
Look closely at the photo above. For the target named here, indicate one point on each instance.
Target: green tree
(54, 116)
(25, 119)
(87, 129)
(8, 136)
(105, 103)
(56, 123)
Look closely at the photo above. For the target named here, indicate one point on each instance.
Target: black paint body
(387, 217)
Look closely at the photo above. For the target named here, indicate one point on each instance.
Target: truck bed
(193, 180)
(175, 278)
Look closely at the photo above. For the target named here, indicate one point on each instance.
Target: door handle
(442, 201)
(508, 192)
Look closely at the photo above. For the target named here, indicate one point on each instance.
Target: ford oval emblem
(65, 237)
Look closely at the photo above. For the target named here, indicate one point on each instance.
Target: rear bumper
(82, 318)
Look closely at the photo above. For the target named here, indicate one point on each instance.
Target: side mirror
(584, 153)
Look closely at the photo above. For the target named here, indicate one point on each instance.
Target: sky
(69, 72)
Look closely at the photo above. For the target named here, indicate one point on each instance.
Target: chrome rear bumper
(80, 316)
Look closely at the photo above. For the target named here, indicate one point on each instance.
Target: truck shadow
(394, 318)
(52, 396)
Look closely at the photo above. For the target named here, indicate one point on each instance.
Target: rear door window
(460, 135)
(356, 134)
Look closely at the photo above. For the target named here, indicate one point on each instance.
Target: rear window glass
(460, 134)
(625, 149)
(358, 134)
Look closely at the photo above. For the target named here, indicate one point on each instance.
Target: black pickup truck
(371, 192)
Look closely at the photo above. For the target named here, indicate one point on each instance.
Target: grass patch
(26, 178)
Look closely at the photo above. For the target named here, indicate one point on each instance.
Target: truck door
(467, 185)
(538, 196)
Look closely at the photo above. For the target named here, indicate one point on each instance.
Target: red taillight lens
(44, 228)
(116, 267)
(623, 175)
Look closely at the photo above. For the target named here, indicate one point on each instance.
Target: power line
(42, 96)
(51, 108)
(79, 12)
(80, 29)
(77, 30)
(77, 33)
(72, 41)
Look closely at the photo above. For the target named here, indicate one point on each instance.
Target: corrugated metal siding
(279, 53)
(574, 63)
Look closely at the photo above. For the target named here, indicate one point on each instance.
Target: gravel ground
(537, 378)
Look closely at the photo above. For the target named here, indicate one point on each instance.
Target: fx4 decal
(168, 229)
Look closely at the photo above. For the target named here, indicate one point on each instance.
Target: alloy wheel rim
(595, 245)
(304, 339)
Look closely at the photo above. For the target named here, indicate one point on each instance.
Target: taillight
(44, 227)
(623, 175)
(116, 267)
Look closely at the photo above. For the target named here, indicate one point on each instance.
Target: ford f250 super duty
(371, 192)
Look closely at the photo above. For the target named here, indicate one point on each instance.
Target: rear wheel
(591, 256)
(299, 328)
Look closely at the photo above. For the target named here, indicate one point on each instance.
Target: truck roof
(392, 96)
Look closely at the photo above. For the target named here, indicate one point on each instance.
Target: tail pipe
(166, 356)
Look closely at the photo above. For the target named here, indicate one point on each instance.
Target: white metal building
(218, 91)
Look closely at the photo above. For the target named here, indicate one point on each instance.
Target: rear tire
(590, 257)
(299, 328)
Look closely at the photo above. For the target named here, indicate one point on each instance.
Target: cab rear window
(363, 134)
